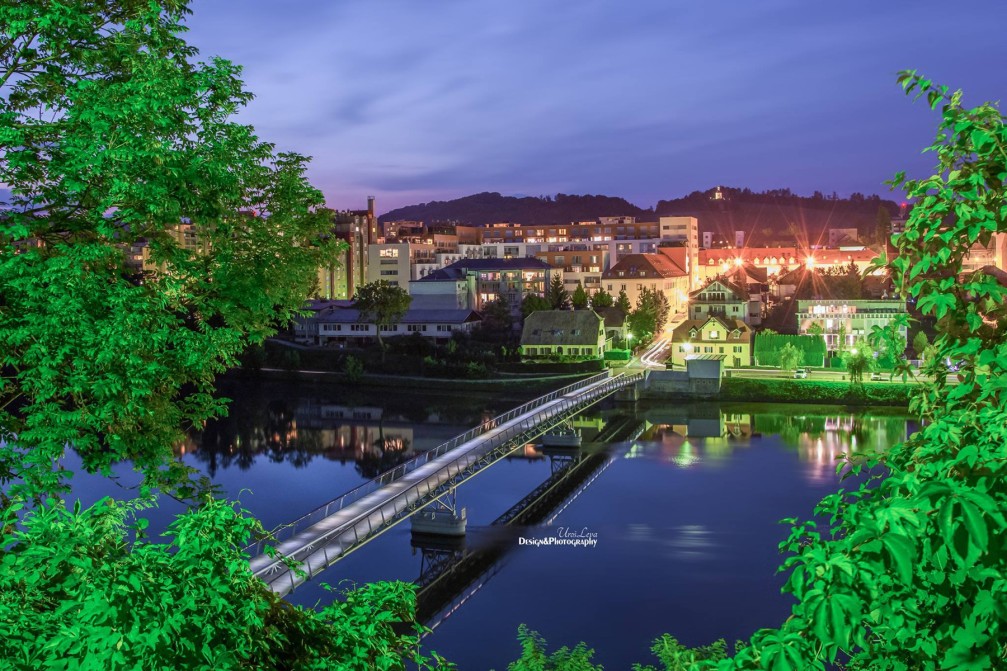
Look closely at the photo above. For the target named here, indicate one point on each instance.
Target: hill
(491, 208)
(766, 217)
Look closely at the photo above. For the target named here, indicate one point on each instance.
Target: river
(684, 518)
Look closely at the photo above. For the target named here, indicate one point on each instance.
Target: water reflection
(375, 432)
(691, 435)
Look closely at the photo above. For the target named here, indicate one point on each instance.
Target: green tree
(559, 297)
(910, 572)
(498, 321)
(920, 343)
(650, 315)
(622, 302)
(841, 336)
(882, 226)
(534, 303)
(114, 137)
(135, 149)
(858, 360)
(602, 299)
(815, 329)
(382, 303)
(790, 357)
(579, 298)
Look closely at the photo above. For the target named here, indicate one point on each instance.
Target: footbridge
(321, 538)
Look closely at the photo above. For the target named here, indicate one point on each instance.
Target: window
(387, 273)
(714, 335)
(416, 328)
(737, 349)
(389, 253)
(359, 327)
(721, 349)
(443, 327)
(708, 350)
(388, 327)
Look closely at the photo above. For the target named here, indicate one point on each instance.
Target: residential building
(490, 279)
(686, 231)
(712, 335)
(396, 263)
(637, 272)
(579, 266)
(720, 298)
(857, 317)
(616, 327)
(339, 323)
(578, 333)
(341, 275)
(843, 236)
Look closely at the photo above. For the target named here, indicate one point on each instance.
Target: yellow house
(712, 335)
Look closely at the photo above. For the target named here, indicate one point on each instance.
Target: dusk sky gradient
(417, 101)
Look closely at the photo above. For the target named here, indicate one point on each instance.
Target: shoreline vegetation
(815, 392)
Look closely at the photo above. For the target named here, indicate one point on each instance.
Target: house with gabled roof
(636, 272)
(730, 337)
(726, 298)
(578, 333)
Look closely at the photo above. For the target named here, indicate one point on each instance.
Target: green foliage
(911, 573)
(790, 357)
(882, 226)
(841, 337)
(498, 321)
(579, 300)
(382, 304)
(559, 297)
(818, 391)
(602, 299)
(354, 369)
(534, 656)
(622, 302)
(857, 360)
(769, 345)
(618, 355)
(112, 135)
(650, 315)
(77, 593)
(920, 343)
(534, 303)
(676, 657)
(816, 329)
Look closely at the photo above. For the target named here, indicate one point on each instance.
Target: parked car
(800, 373)
(876, 377)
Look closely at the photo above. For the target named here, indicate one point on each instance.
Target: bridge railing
(391, 475)
(367, 523)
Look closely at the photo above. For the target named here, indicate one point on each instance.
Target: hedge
(767, 348)
(618, 355)
(815, 391)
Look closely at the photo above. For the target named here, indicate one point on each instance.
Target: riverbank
(545, 383)
(815, 391)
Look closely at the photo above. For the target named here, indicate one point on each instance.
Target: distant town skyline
(416, 102)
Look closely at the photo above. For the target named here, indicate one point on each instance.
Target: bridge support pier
(630, 394)
(441, 518)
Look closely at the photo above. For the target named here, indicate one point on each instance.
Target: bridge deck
(326, 541)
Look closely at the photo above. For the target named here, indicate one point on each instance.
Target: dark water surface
(685, 517)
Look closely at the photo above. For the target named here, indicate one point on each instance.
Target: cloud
(643, 100)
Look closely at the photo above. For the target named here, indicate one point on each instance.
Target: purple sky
(417, 101)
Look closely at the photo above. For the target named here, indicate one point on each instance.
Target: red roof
(652, 265)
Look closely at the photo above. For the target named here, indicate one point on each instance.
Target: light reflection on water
(687, 520)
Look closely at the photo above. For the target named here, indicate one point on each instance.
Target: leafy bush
(818, 391)
(618, 355)
(768, 347)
